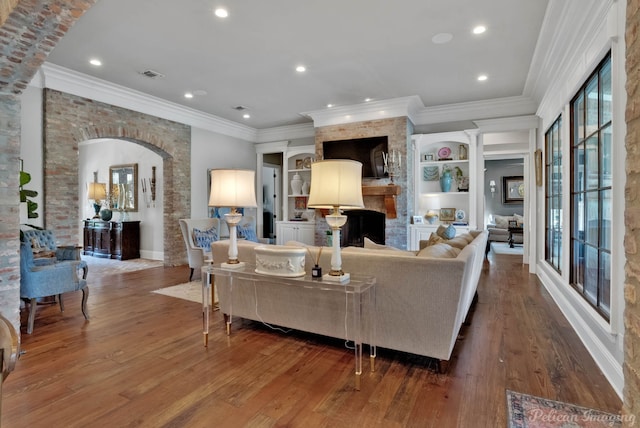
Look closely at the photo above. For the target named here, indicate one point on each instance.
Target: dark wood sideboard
(111, 239)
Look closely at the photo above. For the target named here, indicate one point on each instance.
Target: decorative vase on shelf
(305, 188)
(296, 184)
(445, 181)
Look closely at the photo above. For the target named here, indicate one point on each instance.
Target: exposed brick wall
(69, 120)
(29, 31)
(632, 216)
(398, 131)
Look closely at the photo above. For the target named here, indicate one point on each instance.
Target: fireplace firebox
(361, 224)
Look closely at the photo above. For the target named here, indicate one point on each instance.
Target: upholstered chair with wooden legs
(50, 280)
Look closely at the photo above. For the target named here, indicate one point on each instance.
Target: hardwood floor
(140, 361)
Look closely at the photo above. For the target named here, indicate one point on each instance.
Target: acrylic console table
(326, 307)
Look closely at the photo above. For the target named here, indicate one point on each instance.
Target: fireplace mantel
(388, 192)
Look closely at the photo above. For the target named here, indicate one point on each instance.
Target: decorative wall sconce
(149, 191)
(492, 187)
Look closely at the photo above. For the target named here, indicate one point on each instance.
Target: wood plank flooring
(140, 362)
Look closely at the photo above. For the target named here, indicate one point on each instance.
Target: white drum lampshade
(336, 184)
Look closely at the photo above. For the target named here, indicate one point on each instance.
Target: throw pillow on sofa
(246, 232)
(204, 238)
(446, 232)
(502, 221)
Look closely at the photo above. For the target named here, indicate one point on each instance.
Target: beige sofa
(422, 300)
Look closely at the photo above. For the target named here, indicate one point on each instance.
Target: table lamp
(336, 184)
(97, 192)
(232, 188)
(432, 203)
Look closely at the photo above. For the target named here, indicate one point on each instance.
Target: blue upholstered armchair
(50, 280)
(45, 240)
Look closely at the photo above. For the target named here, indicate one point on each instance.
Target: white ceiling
(352, 50)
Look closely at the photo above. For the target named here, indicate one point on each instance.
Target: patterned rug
(528, 411)
(188, 291)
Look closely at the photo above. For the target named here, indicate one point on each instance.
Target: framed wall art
(447, 214)
(513, 189)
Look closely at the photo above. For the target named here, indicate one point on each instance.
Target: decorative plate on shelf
(306, 162)
(430, 173)
(444, 152)
(460, 215)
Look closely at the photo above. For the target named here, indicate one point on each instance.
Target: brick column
(29, 30)
(632, 216)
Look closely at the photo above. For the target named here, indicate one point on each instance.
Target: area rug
(503, 248)
(188, 291)
(528, 411)
(102, 266)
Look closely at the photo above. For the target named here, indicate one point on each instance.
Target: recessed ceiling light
(246, 115)
(329, 105)
(301, 69)
(482, 77)
(479, 29)
(188, 95)
(366, 100)
(221, 12)
(441, 38)
(95, 61)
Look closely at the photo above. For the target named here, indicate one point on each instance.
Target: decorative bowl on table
(280, 260)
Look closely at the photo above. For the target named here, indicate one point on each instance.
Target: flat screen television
(367, 151)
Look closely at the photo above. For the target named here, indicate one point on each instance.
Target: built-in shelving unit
(433, 154)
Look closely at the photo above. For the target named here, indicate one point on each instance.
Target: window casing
(591, 189)
(553, 196)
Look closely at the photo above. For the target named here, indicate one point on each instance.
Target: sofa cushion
(204, 238)
(457, 242)
(247, 232)
(440, 250)
(446, 232)
(502, 221)
(368, 243)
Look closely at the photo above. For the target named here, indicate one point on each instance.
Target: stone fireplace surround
(398, 130)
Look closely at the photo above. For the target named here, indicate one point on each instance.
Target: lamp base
(343, 279)
(239, 265)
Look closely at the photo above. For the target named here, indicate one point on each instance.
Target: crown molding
(373, 110)
(476, 110)
(292, 132)
(505, 124)
(69, 81)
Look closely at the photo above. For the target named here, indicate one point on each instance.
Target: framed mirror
(123, 183)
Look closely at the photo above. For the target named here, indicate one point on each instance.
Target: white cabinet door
(295, 231)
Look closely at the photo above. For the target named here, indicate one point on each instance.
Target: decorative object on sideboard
(149, 190)
(233, 188)
(432, 204)
(336, 184)
(418, 219)
(96, 192)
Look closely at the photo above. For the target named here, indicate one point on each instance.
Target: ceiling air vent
(152, 74)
